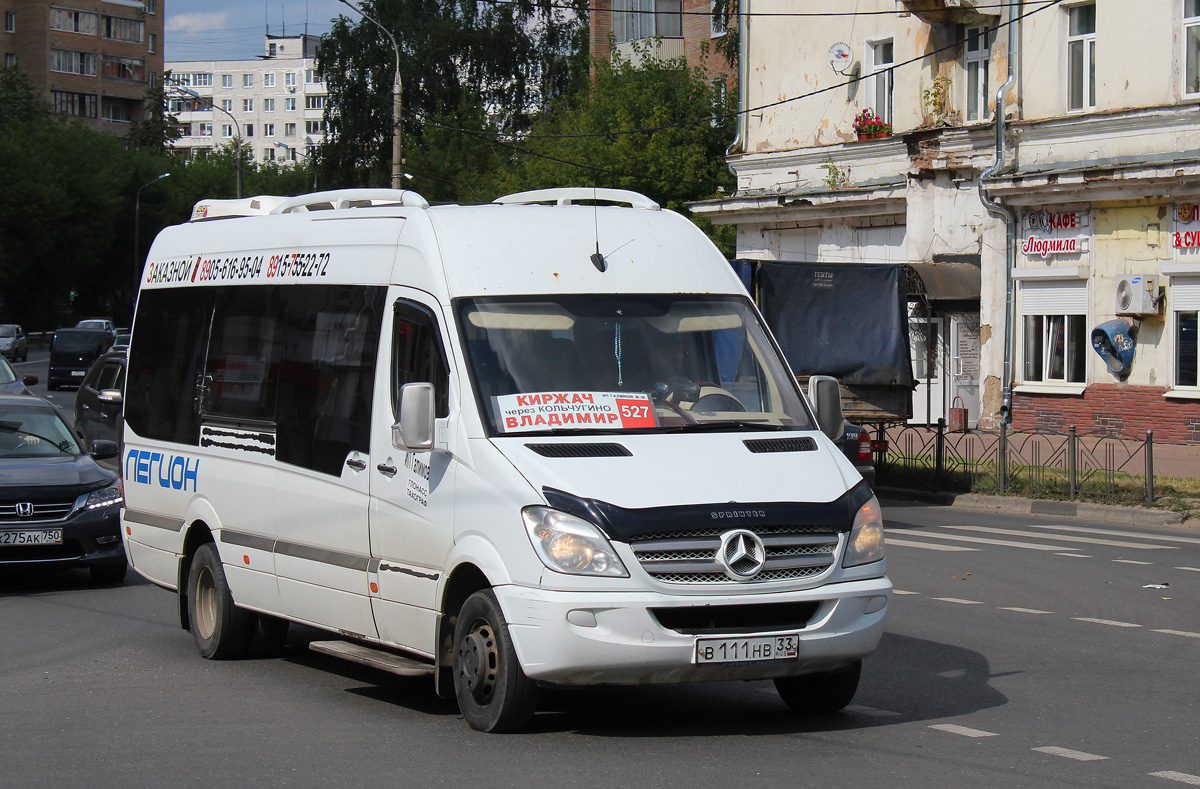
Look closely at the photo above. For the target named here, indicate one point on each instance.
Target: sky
(235, 29)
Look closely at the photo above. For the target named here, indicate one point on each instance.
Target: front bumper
(91, 538)
(574, 638)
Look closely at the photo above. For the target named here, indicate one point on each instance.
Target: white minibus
(544, 441)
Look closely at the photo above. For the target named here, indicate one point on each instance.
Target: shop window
(1187, 355)
(1055, 348)
(1081, 57)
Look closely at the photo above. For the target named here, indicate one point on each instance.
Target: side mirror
(29, 380)
(110, 396)
(103, 450)
(825, 394)
(414, 431)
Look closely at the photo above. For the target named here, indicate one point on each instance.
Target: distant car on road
(14, 343)
(98, 402)
(11, 383)
(58, 507)
(98, 323)
(121, 343)
(72, 352)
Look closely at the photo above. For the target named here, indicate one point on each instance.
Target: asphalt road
(1019, 652)
(39, 364)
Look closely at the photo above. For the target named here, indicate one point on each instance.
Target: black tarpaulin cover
(848, 320)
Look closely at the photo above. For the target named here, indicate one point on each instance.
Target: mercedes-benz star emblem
(742, 555)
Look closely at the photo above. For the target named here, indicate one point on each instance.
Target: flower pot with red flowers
(869, 126)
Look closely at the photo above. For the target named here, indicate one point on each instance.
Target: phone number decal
(283, 265)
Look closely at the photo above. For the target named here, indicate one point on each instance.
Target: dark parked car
(58, 507)
(98, 402)
(72, 352)
(14, 343)
(103, 324)
(857, 445)
(11, 383)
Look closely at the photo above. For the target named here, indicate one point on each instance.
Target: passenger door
(412, 493)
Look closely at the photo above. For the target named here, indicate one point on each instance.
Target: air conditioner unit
(1137, 295)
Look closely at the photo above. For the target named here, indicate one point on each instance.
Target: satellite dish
(840, 57)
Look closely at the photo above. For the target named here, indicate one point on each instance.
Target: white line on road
(963, 730)
(1078, 756)
(1066, 538)
(907, 544)
(1074, 555)
(1183, 778)
(1178, 633)
(1104, 622)
(1142, 535)
(1130, 561)
(1192, 569)
(1025, 610)
(956, 600)
(901, 591)
(1033, 546)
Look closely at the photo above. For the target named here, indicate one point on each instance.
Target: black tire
(820, 693)
(270, 634)
(108, 573)
(493, 692)
(222, 630)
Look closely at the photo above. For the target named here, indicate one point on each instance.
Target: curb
(1112, 513)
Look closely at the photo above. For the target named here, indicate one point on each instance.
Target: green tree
(158, 129)
(19, 99)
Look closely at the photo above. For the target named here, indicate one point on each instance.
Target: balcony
(660, 48)
(950, 12)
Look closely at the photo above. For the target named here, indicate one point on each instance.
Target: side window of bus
(242, 368)
(418, 355)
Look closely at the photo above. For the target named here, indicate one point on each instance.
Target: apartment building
(274, 103)
(1075, 301)
(664, 29)
(91, 59)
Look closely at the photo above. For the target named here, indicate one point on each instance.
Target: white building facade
(274, 103)
(1101, 179)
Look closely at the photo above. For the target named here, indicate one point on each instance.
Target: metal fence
(1107, 465)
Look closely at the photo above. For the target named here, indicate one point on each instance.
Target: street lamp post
(237, 131)
(137, 206)
(397, 116)
(294, 152)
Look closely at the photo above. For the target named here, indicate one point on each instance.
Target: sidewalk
(1177, 460)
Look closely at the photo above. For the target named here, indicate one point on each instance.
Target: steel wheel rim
(205, 606)
(479, 661)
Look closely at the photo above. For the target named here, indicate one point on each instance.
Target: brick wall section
(697, 36)
(1110, 408)
(600, 29)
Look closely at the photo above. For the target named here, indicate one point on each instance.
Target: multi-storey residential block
(91, 59)
(274, 103)
(665, 29)
(1094, 229)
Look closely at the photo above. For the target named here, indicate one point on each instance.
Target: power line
(752, 14)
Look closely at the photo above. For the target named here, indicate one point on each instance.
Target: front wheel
(221, 629)
(817, 693)
(493, 692)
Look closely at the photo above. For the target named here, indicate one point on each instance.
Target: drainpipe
(1006, 213)
(743, 45)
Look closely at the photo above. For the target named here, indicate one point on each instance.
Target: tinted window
(80, 342)
(327, 374)
(111, 377)
(417, 355)
(242, 368)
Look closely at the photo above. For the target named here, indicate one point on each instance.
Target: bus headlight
(866, 537)
(571, 545)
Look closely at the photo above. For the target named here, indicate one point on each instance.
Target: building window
(204, 129)
(269, 80)
(268, 154)
(1191, 37)
(268, 105)
(289, 130)
(1081, 57)
(289, 105)
(1187, 355)
(634, 20)
(70, 62)
(978, 56)
(881, 55)
(151, 6)
(268, 130)
(289, 79)
(227, 130)
(226, 80)
(10, 60)
(81, 105)
(1055, 348)
(121, 29)
(10, 21)
(152, 79)
(271, 49)
(247, 105)
(314, 102)
(151, 43)
(202, 80)
(72, 21)
(249, 130)
(247, 80)
(113, 67)
(116, 113)
(314, 127)
(227, 105)
(311, 77)
(717, 22)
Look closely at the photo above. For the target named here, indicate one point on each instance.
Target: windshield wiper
(725, 425)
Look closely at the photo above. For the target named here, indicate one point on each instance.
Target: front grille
(43, 512)
(755, 618)
(580, 450)
(691, 557)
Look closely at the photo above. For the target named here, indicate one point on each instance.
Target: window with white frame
(247, 80)
(314, 127)
(289, 79)
(289, 105)
(70, 62)
(289, 130)
(1185, 304)
(1081, 57)
(119, 28)
(204, 129)
(152, 43)
(227, 105)
(314, 102)
(718, 26)
(247, 105)
(634, 20)
(10, 59)
(151, 6)
(269, 79)
(249, 127)
(312, 77)
(72, 21)
(227, 130)
(977, 59)
(226, 80)
(881, 56)
(1054, 332)
(202, 80)
(268, 130)
(268, 105)
(268, 154)
(10, 21)
(1191, 38)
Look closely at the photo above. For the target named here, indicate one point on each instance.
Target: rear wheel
(221, 629)
(493, 692)
(816, 693)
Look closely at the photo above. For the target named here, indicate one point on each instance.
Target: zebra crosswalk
(1056, 539)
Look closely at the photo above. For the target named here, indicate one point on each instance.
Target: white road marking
(907, 544)
(874, 713)
(1074, 555)
(956, 673)
(1178, 633)
(1104, 622)
(1110, 532)
(1066, 538)
(1033, 546)
(901, 591)
(963, 730)
(1193, 569)
(1025, 610)
(1130, 561)
(1078, 756)
(1183, 778)
(956, 600)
